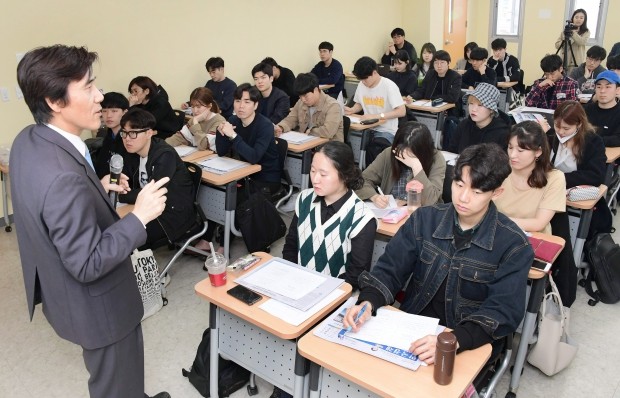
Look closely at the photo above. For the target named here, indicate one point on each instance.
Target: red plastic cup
(216, 266)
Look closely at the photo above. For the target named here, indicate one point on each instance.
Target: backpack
(259, 222)
(231, 376)
(604, 259)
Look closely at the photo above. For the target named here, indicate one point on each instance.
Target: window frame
(509, 38)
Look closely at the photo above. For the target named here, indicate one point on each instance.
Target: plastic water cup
(414, 200)
(216, 266)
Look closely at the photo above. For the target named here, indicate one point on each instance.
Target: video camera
(569, 28)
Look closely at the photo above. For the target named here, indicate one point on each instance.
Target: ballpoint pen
(357, 318)
(380, 191)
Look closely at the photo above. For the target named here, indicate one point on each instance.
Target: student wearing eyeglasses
(150, 158)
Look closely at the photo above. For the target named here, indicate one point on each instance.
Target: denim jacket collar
(483, 237)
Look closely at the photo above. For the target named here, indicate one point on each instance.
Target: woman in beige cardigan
(578, 39)
(412, 156)
(203, 125)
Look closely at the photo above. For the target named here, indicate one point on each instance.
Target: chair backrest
(180, 118)
(282, 151)
(446, 195)
(346, 126)
(195, 173)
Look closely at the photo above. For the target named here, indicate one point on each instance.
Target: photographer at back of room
(577, 33)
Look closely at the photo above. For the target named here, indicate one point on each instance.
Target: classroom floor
(34, 362)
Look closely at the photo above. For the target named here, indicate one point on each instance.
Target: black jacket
(163, 161)
(591, 170)
(167, 121)
(508, 70)
(448, 87)
(468, 134)
(111, 145)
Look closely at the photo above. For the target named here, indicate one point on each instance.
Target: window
(509, 26)
(596, 10)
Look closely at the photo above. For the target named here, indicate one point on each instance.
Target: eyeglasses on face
(133, 133)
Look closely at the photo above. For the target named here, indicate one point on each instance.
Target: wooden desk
(4, 171)
(433, 117)
(537, 293)
(376, 377)
(197, 155)
(299, 160)
(218, 197)
(258, 341)
(359, 137)
(583, 211)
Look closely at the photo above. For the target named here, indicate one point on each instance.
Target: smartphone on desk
(244, 294)
(369, 121)
(541, 265)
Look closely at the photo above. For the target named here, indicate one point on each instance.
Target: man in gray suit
(74, 248)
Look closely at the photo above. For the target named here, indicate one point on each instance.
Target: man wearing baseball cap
(604, 114)
(482, 125)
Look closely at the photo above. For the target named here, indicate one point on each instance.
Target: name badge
(560, 96)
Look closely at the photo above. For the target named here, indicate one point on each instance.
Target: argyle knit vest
(325, 247)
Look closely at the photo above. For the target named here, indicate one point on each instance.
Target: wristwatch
(382, 116)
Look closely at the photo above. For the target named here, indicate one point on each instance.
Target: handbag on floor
(555, 349)
(147, 275)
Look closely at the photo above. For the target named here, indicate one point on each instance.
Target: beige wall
(170, 41)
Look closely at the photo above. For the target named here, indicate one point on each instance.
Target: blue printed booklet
(387, 336)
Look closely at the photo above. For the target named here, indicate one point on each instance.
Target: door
(455, 26)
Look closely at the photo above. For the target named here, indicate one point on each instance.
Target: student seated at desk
(147, 95)
(463, 63)
(554, 88)
(397, 43)
(315, 113)
(204, 122)
(579, 152)
(274, 104)
(221, 86)
(425, 63)
(506, 66)
(412, 156)
(380, 99)
(403, 75)
(483, 123)
(114, 106)
(440, 82)
(586, 73)
(284, 79)
(534, 194)
(479, 72)
(150, 158)
(468, 263)
(604, 114)
(329, 71)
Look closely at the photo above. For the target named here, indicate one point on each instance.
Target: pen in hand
(357, 317)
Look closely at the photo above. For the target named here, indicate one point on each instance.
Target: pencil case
(582, 192)
(395, 216)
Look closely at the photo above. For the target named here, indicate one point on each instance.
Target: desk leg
(585, 218)
(229, 220)
(300, 373)
(5, 204)
(441, 117)
(306, 164)
(529, 323)
(315, 376)
(214, 355)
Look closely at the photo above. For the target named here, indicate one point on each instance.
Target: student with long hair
(144, 93)
(403, 75)
(578, 39)
(425, 62)
(412, 156)
(205, 121)
(463, 63)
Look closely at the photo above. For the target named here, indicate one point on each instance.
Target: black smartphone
(369, 121)
(244, 294)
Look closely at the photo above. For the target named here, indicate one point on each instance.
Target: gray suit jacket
(74, 249)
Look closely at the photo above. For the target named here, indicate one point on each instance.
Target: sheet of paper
(294, 316)
(450, 157)
(354, 119)
(379, 212)
(184, 150)
(396, 328)
(422, 103)
(188, 135)
(292, 282)
(222, 164)
(295, 137)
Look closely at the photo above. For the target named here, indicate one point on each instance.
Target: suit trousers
(117, 370)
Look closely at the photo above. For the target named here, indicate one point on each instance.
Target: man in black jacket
(479, 72)
(605, 113)
(506, 66)
(441, 82)
(151, 158)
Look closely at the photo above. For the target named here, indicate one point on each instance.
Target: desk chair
(346, 126)
(193, 233)
(286, 190)
(612, 192)
(446, 194)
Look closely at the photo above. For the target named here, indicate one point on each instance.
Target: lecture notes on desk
(388, 335)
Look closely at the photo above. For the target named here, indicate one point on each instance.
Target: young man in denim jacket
(468, 263)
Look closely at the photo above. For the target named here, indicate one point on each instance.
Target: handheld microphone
(116, 168)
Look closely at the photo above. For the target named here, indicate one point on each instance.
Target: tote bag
(554, 349)
(147, 276)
